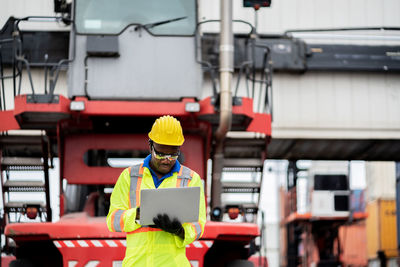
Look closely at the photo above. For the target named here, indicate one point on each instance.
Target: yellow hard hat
(167, 130)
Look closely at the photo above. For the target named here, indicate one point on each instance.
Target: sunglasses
(160, 155)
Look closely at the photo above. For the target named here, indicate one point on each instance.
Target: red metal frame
(91, 252)
(6, 260)
(196, 251)
(81, 226)
(259, 122)
(86, 236)
(103, 107)
(110, 251)
(230, 231)
(75, 146)
(135, 108)
(70, 226)
(246, 108)
(8, 121)
(22, 105)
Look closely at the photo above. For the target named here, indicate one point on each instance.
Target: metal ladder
(24, 154)
(242, 175)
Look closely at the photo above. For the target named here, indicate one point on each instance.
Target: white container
(380, 180)
(323, 204)
(324, 167)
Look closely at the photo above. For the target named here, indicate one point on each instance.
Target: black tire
(240, 263)
(21, 263)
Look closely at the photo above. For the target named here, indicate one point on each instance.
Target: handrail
(19, 58)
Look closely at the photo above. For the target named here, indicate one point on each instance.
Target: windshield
(112, 17)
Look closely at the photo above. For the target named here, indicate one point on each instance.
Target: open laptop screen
(181, 203)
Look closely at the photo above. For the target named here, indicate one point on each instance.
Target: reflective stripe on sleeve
(184, 176)
(117, 220)
(112, 220)
(136, 179)
(191, 176)
(139, 182)
(197, 229)
(129, 202)
(121, 221)
(182, 182)
(180, 171)
(178, 182)
(185, 172)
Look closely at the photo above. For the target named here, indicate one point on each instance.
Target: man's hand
(163, 222)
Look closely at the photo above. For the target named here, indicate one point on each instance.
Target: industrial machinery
(127, 64)
(317, 203)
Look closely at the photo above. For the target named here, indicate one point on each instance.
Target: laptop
(181, 203)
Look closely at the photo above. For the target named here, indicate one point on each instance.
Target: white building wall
(283, 15)
(332, 105)
(310, 14)
(336, 105)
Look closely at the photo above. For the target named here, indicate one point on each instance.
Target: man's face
(163, 157)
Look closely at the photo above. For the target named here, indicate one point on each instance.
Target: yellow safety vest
(146, 246)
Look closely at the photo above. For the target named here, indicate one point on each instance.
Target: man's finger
(176, 223)
(167, 221)
(161, 220)
(156, 221)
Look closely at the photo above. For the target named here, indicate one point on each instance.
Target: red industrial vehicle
(127, 65)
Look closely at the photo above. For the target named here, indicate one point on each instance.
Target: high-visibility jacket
(146, 246)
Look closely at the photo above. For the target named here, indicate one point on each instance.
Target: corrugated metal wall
(283, 15)
(336, 105)
(294, 14)
(381, 180)
(333, 105)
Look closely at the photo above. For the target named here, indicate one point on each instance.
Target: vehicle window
(112, 17)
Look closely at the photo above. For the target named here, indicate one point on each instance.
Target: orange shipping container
(381, 228)
(353, 244)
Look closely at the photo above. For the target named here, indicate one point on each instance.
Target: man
(163, 244)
